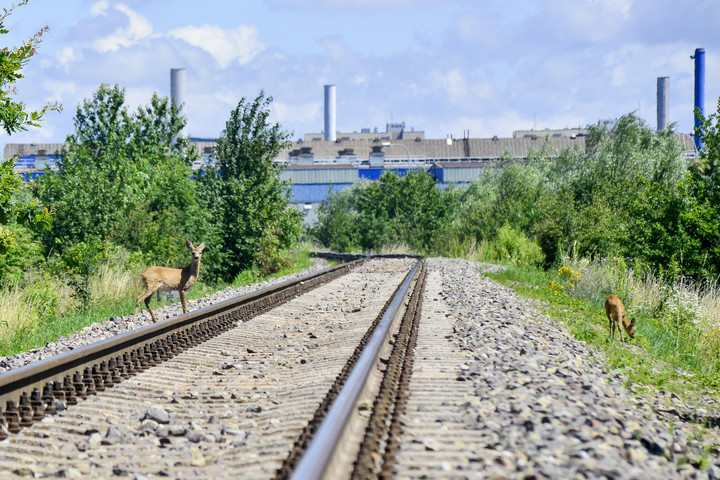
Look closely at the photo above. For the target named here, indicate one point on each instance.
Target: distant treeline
(629, 193)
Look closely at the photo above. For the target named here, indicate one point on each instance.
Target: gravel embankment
(547, 408)
(117, 325)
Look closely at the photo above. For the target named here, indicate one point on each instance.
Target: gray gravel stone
(118, 325)
(157, 414)
(546, 407)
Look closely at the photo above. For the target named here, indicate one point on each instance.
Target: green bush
(125, 177)
(514, 247)
(253, 222)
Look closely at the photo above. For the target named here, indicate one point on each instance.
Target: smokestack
(330, 113)
(663, 89)
(699, 90)
(178, 77)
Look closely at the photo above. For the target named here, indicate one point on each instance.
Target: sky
(446, 67)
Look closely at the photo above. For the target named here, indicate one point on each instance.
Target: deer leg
(147, 304)
(612, 327)
(183, 301)
(620, 329)
(146, 295)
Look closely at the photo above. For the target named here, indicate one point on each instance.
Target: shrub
(514, 247)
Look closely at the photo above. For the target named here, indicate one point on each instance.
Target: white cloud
(66, 56)
(99, 8)
(461, 88)
(138, 28)
(335, 46)
(297, 112)
(240, 44)
(452, 82)
(57, 90)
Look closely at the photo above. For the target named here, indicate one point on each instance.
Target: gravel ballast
(123, 324)
(544, 406)
(539, 403)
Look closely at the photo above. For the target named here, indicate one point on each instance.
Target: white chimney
(330, 113)
(663, 88)
(178, 88)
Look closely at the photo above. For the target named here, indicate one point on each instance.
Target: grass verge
(45, 326)
(658, 358)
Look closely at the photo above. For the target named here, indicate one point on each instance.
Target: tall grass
(42, 307)
(675, 306)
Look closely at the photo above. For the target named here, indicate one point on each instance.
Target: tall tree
(251, 203)
(124, 179)
(14, 116)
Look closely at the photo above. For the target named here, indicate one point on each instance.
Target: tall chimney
(663, 89)
(330, 113)
(178, 77)
(699, 90)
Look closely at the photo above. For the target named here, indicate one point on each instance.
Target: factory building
(320, 164)
(316, 168)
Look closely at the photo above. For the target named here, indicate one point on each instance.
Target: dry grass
(396, 248)
(114, 281)
(40, 297)
(23, 307)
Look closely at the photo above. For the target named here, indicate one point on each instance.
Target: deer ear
(189, 244)
(201, 246)
(632, 322)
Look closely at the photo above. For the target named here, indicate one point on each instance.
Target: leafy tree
(336, 227)
(374, 226)
(518, 190)
(255, 222)
(372, 215)
(126, 178)
(16, 208)
(419, 210)
(474, 216)
(14, 116)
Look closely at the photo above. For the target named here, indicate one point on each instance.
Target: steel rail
(318, 455)
(28, 393)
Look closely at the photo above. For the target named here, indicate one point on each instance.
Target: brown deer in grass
(615, 311)
(163, 278)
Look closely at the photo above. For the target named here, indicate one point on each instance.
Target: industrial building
(316, 168)
(330, 161)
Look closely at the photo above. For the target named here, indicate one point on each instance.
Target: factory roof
(351, 151)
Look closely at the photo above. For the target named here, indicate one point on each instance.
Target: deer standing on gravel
(164, 278)
(615, 311)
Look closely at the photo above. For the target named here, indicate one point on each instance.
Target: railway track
(237, 390)
(377, 368)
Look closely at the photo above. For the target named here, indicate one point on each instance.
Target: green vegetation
(125, 197)
(661, 356)
(626, 215)
(45, 307)
(628, 184)
(18, 211)
(14, 116)
(253, 222)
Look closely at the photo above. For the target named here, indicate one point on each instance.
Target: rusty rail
(319, 453)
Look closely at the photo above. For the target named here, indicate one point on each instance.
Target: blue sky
(442, 66)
